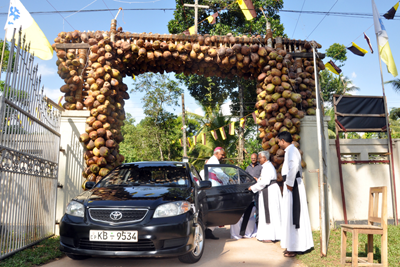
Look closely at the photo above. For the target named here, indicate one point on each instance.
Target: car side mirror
(89, 185)
(205, 185)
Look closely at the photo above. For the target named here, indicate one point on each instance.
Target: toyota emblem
(116, 215)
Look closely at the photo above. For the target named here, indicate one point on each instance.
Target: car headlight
(75, 209)
(172, 209)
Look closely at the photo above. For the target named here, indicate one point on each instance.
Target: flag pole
(392, 177)
(2, 53)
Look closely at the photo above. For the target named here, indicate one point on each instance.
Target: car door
(229, 196)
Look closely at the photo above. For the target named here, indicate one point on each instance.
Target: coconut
(84, 137)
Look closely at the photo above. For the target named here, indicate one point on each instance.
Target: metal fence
(29, 149)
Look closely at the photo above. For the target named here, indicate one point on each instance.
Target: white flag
(18, 17)
(383, 42)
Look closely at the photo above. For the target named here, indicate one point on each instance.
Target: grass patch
(313, 258)
(41, 253)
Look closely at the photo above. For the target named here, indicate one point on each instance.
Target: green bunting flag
(355, 49)
(390, 14)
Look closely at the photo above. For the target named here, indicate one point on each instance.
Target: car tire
(199, 237)
(77, 257)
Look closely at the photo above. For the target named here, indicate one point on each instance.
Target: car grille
(141, 245)
(128, 215)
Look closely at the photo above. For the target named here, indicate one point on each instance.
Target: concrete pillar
(71, 163)
(309, 146)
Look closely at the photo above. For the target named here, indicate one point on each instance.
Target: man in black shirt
(254, 168)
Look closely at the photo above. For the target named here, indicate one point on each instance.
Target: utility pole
(196, 10)
(241, 131)
(185, 158)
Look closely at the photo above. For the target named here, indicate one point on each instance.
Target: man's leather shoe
(210, 235)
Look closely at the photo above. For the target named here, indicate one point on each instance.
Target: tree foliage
(161, 92)
(337, 52)
(395, 84)
(332, 84)
(212, 91)
(6, 55)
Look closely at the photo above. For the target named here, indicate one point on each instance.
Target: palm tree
(209, 122)
(335, 84)
(395, 84)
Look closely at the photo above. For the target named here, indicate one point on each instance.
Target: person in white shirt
(296, 227)
(215, 175)
(269, 201)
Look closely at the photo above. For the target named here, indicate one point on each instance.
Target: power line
(298, 18)
(338, 14)
(56, 11)
(322, 19)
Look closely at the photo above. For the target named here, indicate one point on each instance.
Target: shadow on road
(217, 253)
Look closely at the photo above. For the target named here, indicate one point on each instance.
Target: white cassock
(294, 240)
(216, 175)
(251, 229)
(272, 230)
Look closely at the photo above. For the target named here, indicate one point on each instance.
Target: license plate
(113, 236)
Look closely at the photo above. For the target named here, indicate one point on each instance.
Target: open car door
(229, 196)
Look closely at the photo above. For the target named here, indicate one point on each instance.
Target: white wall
(71, 164)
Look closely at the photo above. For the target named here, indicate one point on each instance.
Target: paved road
(217, 253)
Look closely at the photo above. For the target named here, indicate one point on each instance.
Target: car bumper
(167, 237)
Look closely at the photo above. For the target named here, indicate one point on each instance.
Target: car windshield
(134, 175)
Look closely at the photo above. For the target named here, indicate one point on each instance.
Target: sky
(325, 29)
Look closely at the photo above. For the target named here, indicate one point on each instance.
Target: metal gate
(29, 145)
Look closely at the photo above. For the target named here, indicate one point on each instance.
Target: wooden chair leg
(354, 256)
(384, 250)
(343, 248)
(370, 248)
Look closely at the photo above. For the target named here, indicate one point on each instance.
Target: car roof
(142, 164)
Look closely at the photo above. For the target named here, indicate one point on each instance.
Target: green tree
(332, 84)
(337, 52)
(395, 84)
(6, 55)
(232, 21)
(161, 92)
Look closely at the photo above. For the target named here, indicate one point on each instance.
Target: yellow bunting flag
(188, 142)
(222, 130)
(59, 100)
(194, 139)
(203, 139)
(8, 122)
(30, 122)
(214, 134)
(212, 19)
(247, 8)
(232, 128)
(242, 122)
(191, 30)
(180, 141)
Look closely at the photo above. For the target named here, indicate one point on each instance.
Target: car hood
(139, 196)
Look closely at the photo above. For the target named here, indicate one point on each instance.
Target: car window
(223, 176)
(195, 174)
(154, 176)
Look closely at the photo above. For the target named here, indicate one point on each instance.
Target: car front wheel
(197, 252)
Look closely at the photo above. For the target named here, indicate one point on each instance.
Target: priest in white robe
(269, 201)
(296, 226)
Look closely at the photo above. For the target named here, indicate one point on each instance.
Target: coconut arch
(93, 65)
